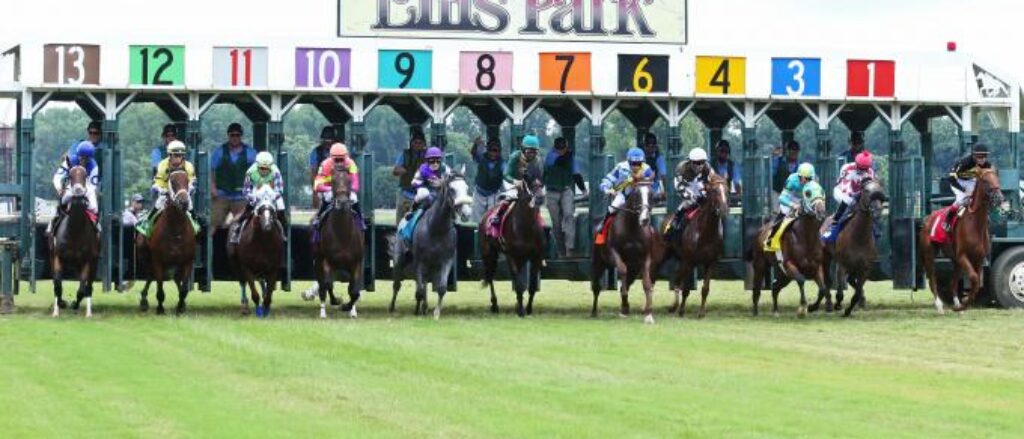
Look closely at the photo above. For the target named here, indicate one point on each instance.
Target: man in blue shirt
(782, 167)
(728, 169)
(94, 135)
(229, 164)
(406, 165)
(656, 161)
(317, 156)
(489, 168)
(157, 155)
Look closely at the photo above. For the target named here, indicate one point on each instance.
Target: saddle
(145, 227)
(409, 226)
(773, 243)
(62, 214)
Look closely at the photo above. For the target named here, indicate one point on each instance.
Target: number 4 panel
(156, 65)
(643, 73)
(719, 75)
(485, 71)
(563, 72)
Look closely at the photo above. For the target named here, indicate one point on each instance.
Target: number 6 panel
(239, 67)
(156, 65)
(485, 71)
(643, 73)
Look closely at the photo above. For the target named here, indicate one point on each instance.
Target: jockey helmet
(434, 153)
(806, 170)
(175, 147)
(635, 155)
(264, 160)
(531, 141)
(85, 149)
(698, 155)
(981, 148)
(339, 150)
(864, 160)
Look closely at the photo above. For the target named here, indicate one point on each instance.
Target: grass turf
(894, 370)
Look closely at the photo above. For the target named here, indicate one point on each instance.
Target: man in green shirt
(561, 172)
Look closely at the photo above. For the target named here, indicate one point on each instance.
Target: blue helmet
(531, 141)
(85, 148)
(635, 155)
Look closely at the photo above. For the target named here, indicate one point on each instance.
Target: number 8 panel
(485, 71)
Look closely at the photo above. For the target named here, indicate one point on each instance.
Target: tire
(1008, 278)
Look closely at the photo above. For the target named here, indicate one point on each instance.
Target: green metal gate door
(905, 207)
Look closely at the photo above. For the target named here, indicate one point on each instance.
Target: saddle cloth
(145, 226)
(495, 231)
(938, 234)
(774, 242)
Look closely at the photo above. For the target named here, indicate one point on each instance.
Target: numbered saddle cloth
(774, 243)
(938, 233)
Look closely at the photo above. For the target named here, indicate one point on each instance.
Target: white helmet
(698, 155)
(264, 159)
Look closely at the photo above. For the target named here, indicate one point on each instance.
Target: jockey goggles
(433, 160)
(636, 164)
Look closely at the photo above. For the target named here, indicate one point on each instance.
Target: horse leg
(244, 307)
(158, 277)
(928, 262)
(857, 283)
(974, 276)
(326, 282)
(802, 311)
(181, 280)
(354, 287)
(624, 282)
(268, 294)
(490, 260)
(777, 287)
(534, 284)
(441, 285)
(954, 283)
(257, 301)
(85, 288)
(596, 273)
(704, 290)
(683, 279)
(396, 284)
(842, 280)
(516, 267)
(421, 291)
(58, 287)
(648, 286)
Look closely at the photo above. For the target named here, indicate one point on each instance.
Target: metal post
(339, 131)
(110, 207)
(824, 163)
(598, 167)
(675, 155)
(518, 131)
(757, 190)
(366, 164)
(927, 149)
(201, 203)
(28, 204)
(712, 135)
(7, 251)
(438, 134)
(275, 138)
(259, 136)
(966, 142)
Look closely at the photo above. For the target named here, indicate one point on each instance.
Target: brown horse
(340, 247)
(699, 244)
(522, 241)
(171, 244)
(854, 249)
(259, 251)
(75, 242)
(632, 248)
(971, 241)
(801, 253)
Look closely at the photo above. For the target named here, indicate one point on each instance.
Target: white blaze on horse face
(645, 207)
(463, 201)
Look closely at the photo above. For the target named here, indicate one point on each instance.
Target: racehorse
(853, 249)
(171, 244)
(522, 241)
(801, 253)
(431, 255)
(699, 244)
(340, 246)
(75, 242)
(632, 248)
(970, 243)
(259, 251)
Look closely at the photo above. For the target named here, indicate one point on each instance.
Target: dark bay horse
(171, 245)
(854, 249)
(970, 245)
(259, 252)
(522, 241)
(699, 244)
(340, 247)
(801, 253)
(632, 248)
(75, 242)
(431, 256)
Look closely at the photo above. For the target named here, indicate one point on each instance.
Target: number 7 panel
(565, 72)
(485, 71)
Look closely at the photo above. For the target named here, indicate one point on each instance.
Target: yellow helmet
(806, 170)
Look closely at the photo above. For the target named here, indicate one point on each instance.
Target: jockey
(427, 178)
(792, 195)
(849, 184)
(620, 181)
(322, 182)
(962, 178)
(262, 173)
(175, 161)
(691, 176)
(521, 165)
(83, 157)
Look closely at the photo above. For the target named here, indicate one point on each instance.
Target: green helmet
(264, 159)
(531, 142)
(806, 170)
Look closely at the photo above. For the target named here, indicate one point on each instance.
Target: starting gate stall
(506, 62)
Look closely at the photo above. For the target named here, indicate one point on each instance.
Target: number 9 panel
(485, 71)
(404, 69)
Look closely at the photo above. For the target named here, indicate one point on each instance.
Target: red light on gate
(951, 46)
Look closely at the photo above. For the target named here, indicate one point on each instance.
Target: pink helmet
(864, 160)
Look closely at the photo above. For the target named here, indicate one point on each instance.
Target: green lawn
(895, 370)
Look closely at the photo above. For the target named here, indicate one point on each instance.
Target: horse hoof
(700, 315)
(437, 314)
(143, 305)
(352, 313)
(813, 308)
(775, 314)
(63, 304)
(323, 314)
(160, 311)
(75, 305)
(179, 310)
(346, 307)
(494, 309)
(260, 312)
(801, 313)
(649, 319)
(623, 316)
(244, 310)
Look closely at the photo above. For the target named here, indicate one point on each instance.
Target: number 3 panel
(643, 73)
(404, 69)
(485, 71)
(796, 76)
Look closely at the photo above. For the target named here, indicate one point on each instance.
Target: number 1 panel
(796, 76)
(485, 71)
(404, 69)
(239, 67)
(564, 72)
(643, 73)
(870, 78)
(156, 65)
(323, 68)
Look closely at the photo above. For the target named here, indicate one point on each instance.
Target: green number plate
(157, 65)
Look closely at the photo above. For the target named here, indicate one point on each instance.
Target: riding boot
(357, 212)
(496, 218)
(324, 207)
(950, 215)
(776, 223)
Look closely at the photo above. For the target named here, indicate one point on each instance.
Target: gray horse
(431, 256)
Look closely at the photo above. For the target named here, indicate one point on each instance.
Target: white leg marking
(323, 310)
(56, 308)
(649, 319)
(352, 312)
(938, 305)
(88, 307)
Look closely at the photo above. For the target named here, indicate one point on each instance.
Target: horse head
(531, 189)
(717, 195)
(77, 178)
(640, 202)
(987, 189)
(266, 208)
(872, 198)
(455, 191)
(178, 183)
(814, 201)
(341, 186)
